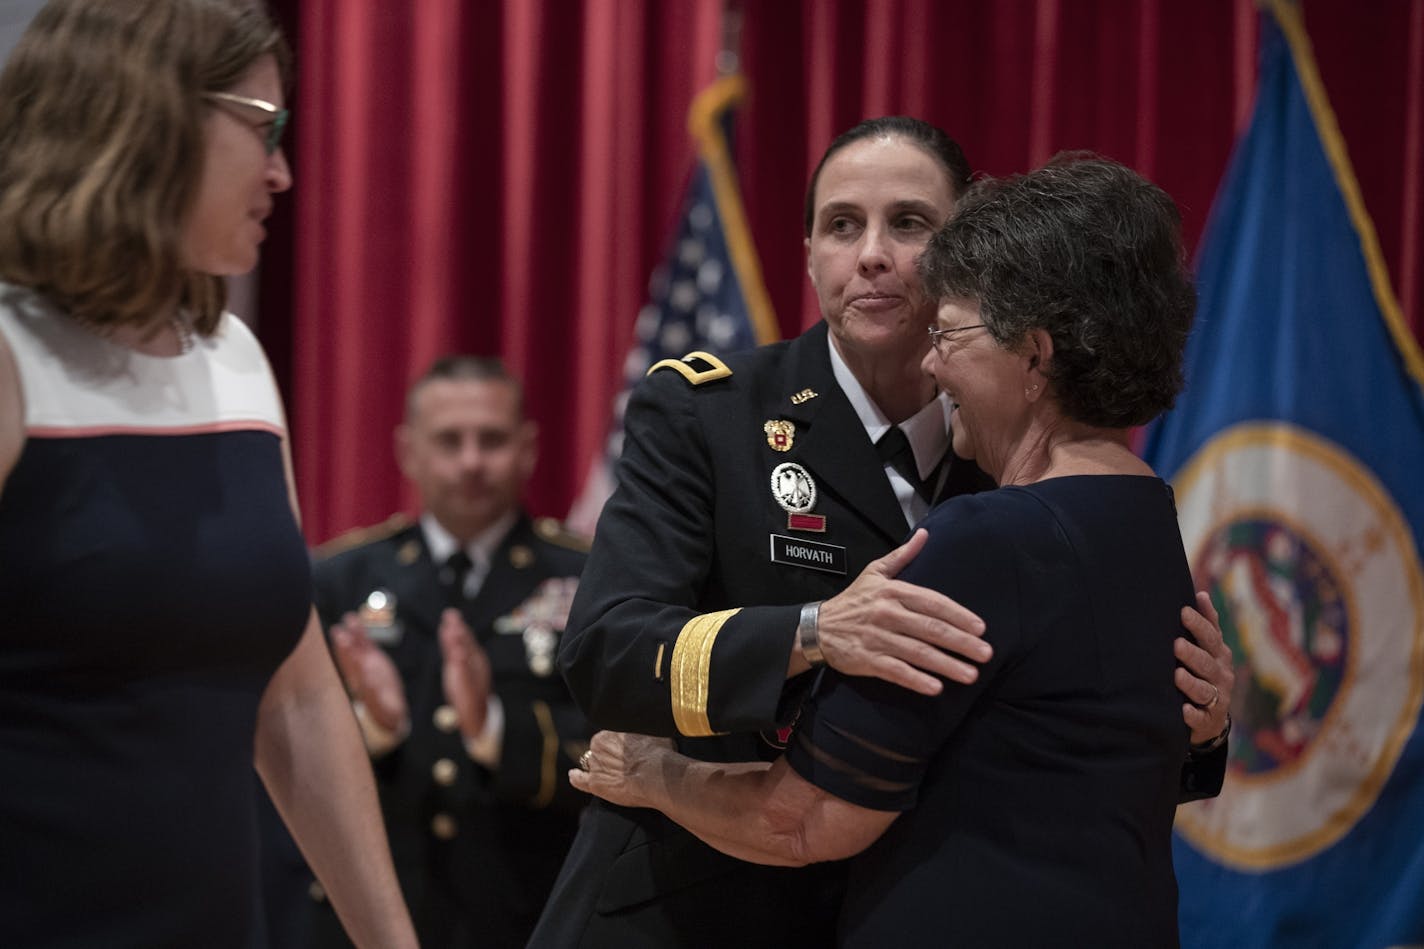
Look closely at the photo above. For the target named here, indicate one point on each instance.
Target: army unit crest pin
(779, 434)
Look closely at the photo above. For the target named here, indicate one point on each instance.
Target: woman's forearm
(750, 810)
(311, 758)
(732, 807)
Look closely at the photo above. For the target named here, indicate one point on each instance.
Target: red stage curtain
(501, 177)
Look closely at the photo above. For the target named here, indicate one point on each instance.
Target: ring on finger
(585, 760)
(1215, 697)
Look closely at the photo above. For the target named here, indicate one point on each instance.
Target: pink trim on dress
(207, 428)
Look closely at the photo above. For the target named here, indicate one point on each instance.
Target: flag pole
(729, 58)
(704, 123)
(691, 306)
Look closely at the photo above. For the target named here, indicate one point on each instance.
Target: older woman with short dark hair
(1088, 251)
(1033, 806)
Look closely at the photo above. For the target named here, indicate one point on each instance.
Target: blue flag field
(1297, 455)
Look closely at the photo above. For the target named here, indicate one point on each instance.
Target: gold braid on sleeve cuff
(691, 670)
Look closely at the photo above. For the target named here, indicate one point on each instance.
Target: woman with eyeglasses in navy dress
(157, 636)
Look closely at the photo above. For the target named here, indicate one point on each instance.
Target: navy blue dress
(1038, 802)
(152, 578)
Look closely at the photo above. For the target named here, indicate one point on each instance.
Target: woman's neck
(893, 381)
(1066, 448)
(168, 337)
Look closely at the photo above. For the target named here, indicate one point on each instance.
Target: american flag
(707, 294)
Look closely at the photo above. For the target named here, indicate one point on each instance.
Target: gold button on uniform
(445, 772)
(444, 826)
(447, 719)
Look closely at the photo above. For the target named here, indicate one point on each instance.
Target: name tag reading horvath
(808, 553)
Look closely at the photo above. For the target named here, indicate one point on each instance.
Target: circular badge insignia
(793, 488)
(1314, 572)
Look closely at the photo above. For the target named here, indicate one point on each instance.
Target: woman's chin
(889, 337)
(961, 444)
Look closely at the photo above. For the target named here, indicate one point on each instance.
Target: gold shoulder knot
(697, 367)
(552, 530)
(360, 536)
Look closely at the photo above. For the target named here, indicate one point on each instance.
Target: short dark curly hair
(1091, 252)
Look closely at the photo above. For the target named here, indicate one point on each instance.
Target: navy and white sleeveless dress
(152, 578)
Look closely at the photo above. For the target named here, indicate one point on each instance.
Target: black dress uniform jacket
(683, 626)
(476, 850)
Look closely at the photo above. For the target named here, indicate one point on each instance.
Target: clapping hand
(371, 676)
(466, 673)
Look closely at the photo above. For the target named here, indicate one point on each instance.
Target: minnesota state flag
(707, 294)
(1297, 455)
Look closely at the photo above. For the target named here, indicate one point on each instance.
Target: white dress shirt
(927, 431)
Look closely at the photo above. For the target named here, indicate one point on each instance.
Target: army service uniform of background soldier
(479, 813)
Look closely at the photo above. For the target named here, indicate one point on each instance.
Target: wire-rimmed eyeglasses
(277, 118)
(938, 336)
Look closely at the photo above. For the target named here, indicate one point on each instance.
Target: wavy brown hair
(101, 150)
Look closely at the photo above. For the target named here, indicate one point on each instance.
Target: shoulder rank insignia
(361, 536)
(696, 368)
(551, 530)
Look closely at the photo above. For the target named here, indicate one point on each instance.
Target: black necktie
(895, 451)
(452, 576)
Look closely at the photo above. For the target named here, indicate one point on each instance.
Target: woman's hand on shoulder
(900, 632)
